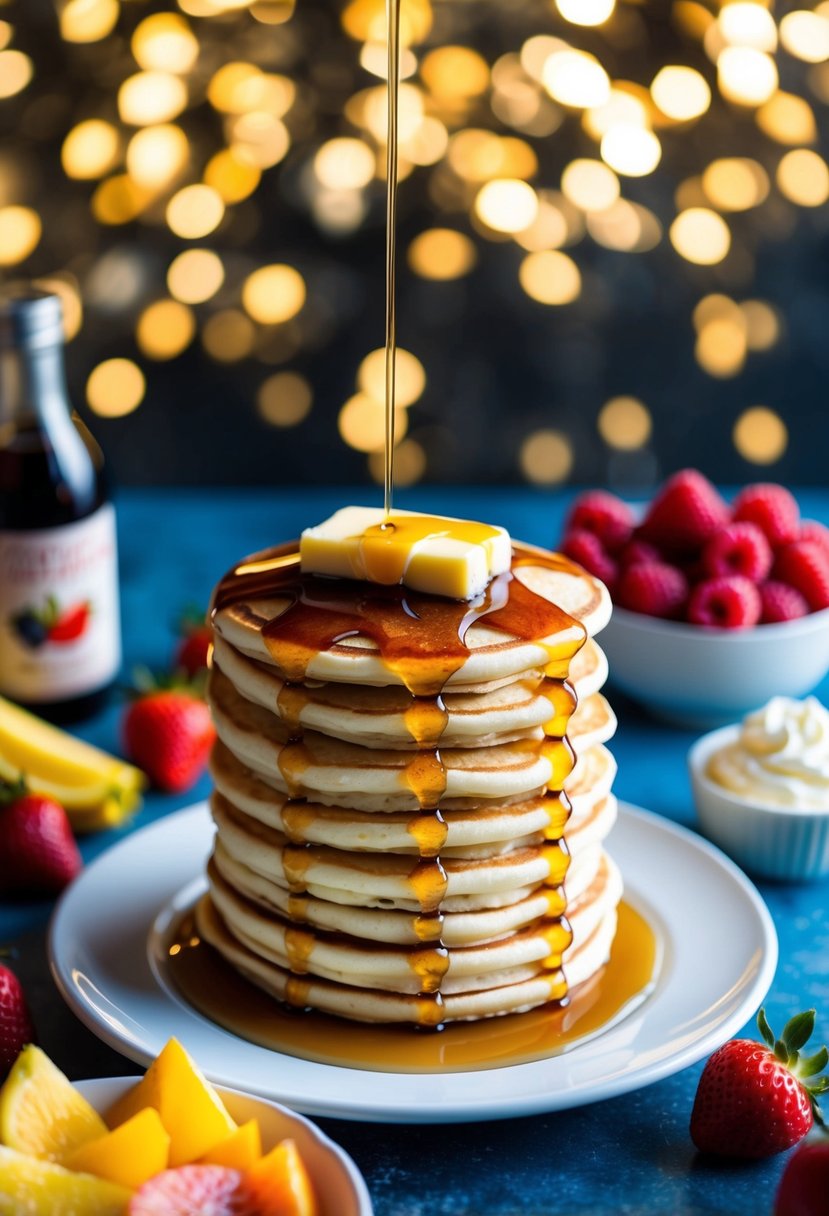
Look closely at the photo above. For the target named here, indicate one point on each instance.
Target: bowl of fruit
(167, 1144)
(717, 606)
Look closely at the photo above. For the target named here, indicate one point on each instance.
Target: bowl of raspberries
(718, 606)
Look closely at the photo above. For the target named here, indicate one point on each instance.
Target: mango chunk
(130, 1155)
(41, 1113)
(280, 1184)
(192, 1112)
(40, 1188)
(239, 1151)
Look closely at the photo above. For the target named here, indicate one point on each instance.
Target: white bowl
(772, 841)
(704, 677)
(339, 1184)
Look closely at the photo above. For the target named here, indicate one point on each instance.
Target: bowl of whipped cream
(761, 789)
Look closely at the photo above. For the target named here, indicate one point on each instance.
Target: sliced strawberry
(194, 1190)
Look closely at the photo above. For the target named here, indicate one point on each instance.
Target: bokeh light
(274, 294)
(682, 93)
(20, 233)
(701, 236)
(442, 254)
(507, 205)
(625, 423)
(803, 177)
(195, 275)
(194, 211)
(760, 435)
(165, 328)
(115, 387)
(90, 149)
(546, 457)
(284, 399)
(409, 377)
(550, 277)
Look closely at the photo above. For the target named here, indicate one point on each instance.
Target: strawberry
(725, 603)
(738, 549)
(684, 514)
(654, 588)
(753, 1101)
(193, 651)
(16, 1029)
(586, 549)
(603, 514)
(804, 566)
(169, 733)
(38, 853)
(71, 624)
(804, 1187)
(212, 1190)
(772, 508)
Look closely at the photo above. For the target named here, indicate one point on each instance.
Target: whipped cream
(781, 756)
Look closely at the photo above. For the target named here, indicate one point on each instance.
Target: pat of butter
(456, 558)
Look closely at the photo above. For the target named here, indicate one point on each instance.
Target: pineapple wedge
(29, 1187)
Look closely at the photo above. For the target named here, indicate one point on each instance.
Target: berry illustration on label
(51, 624)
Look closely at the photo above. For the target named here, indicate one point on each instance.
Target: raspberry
(686, 511)
(603, 514)
(772, 508)
(654, 588)
(725, 603)
(780, 602)
(738, 549)
(804, 566)
(586, 549)
(817, 533)
(637, 551)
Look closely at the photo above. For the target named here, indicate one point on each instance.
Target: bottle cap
(29, 317)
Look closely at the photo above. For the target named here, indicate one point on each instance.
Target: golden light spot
(232, 179)
(362, 423)
(550, 277)
(746, 76)
(410, 112)
(366, 19)
(239, 88)
(428, 143)
(748, 24)
(690, 194)
(409, 463)
(88, 20)
(549, 229)
(164, 42)
(151, 97)
(410, 377)
(228, 336)
(194, 211)
(536, 51)
(374, 58)
(66, 286)
(586, 12)
(273, 12)
(115, 387)
(805, 35)
(6, 34)
(692, 18)
(721, 346)
(620, 107)
(762, 322)
(576, 79)
(90, 149)
(681, 93)
(517, 158)
(284, 399)
(546, 457)
(506, 205)
(787, 118)
(273, 294)
(442, 254)
(155, 155)
(803, 177)
(590, 185)
(20, 232)
(260, 139)
(700, 236)
(165, 329)
(339, 210)
(632, 151)
(118, 200)
(760, 435)
(625, 423)
(344, 164)
(195, 275)
(15, 72)
(715, 307)
(735, 183)
(455, 73)
(619, 227)
(475, 155)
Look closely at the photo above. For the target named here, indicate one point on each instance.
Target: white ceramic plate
(339, 1184)
(720, 954)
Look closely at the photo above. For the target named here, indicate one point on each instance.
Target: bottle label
(60, 633)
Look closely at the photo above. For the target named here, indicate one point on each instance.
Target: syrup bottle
(60, 646)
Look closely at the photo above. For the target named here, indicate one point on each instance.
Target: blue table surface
(630, 1155)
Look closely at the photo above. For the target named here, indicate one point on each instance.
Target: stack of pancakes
(392, 857)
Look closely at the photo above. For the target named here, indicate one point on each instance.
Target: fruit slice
(280, 1184)
(191, 1190)
(133, 1153)
(191, 1110)
(42, 750)
(240, 1150)
(41, 1113)
(39, 1188)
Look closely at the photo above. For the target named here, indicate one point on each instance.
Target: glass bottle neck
(33, 388)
